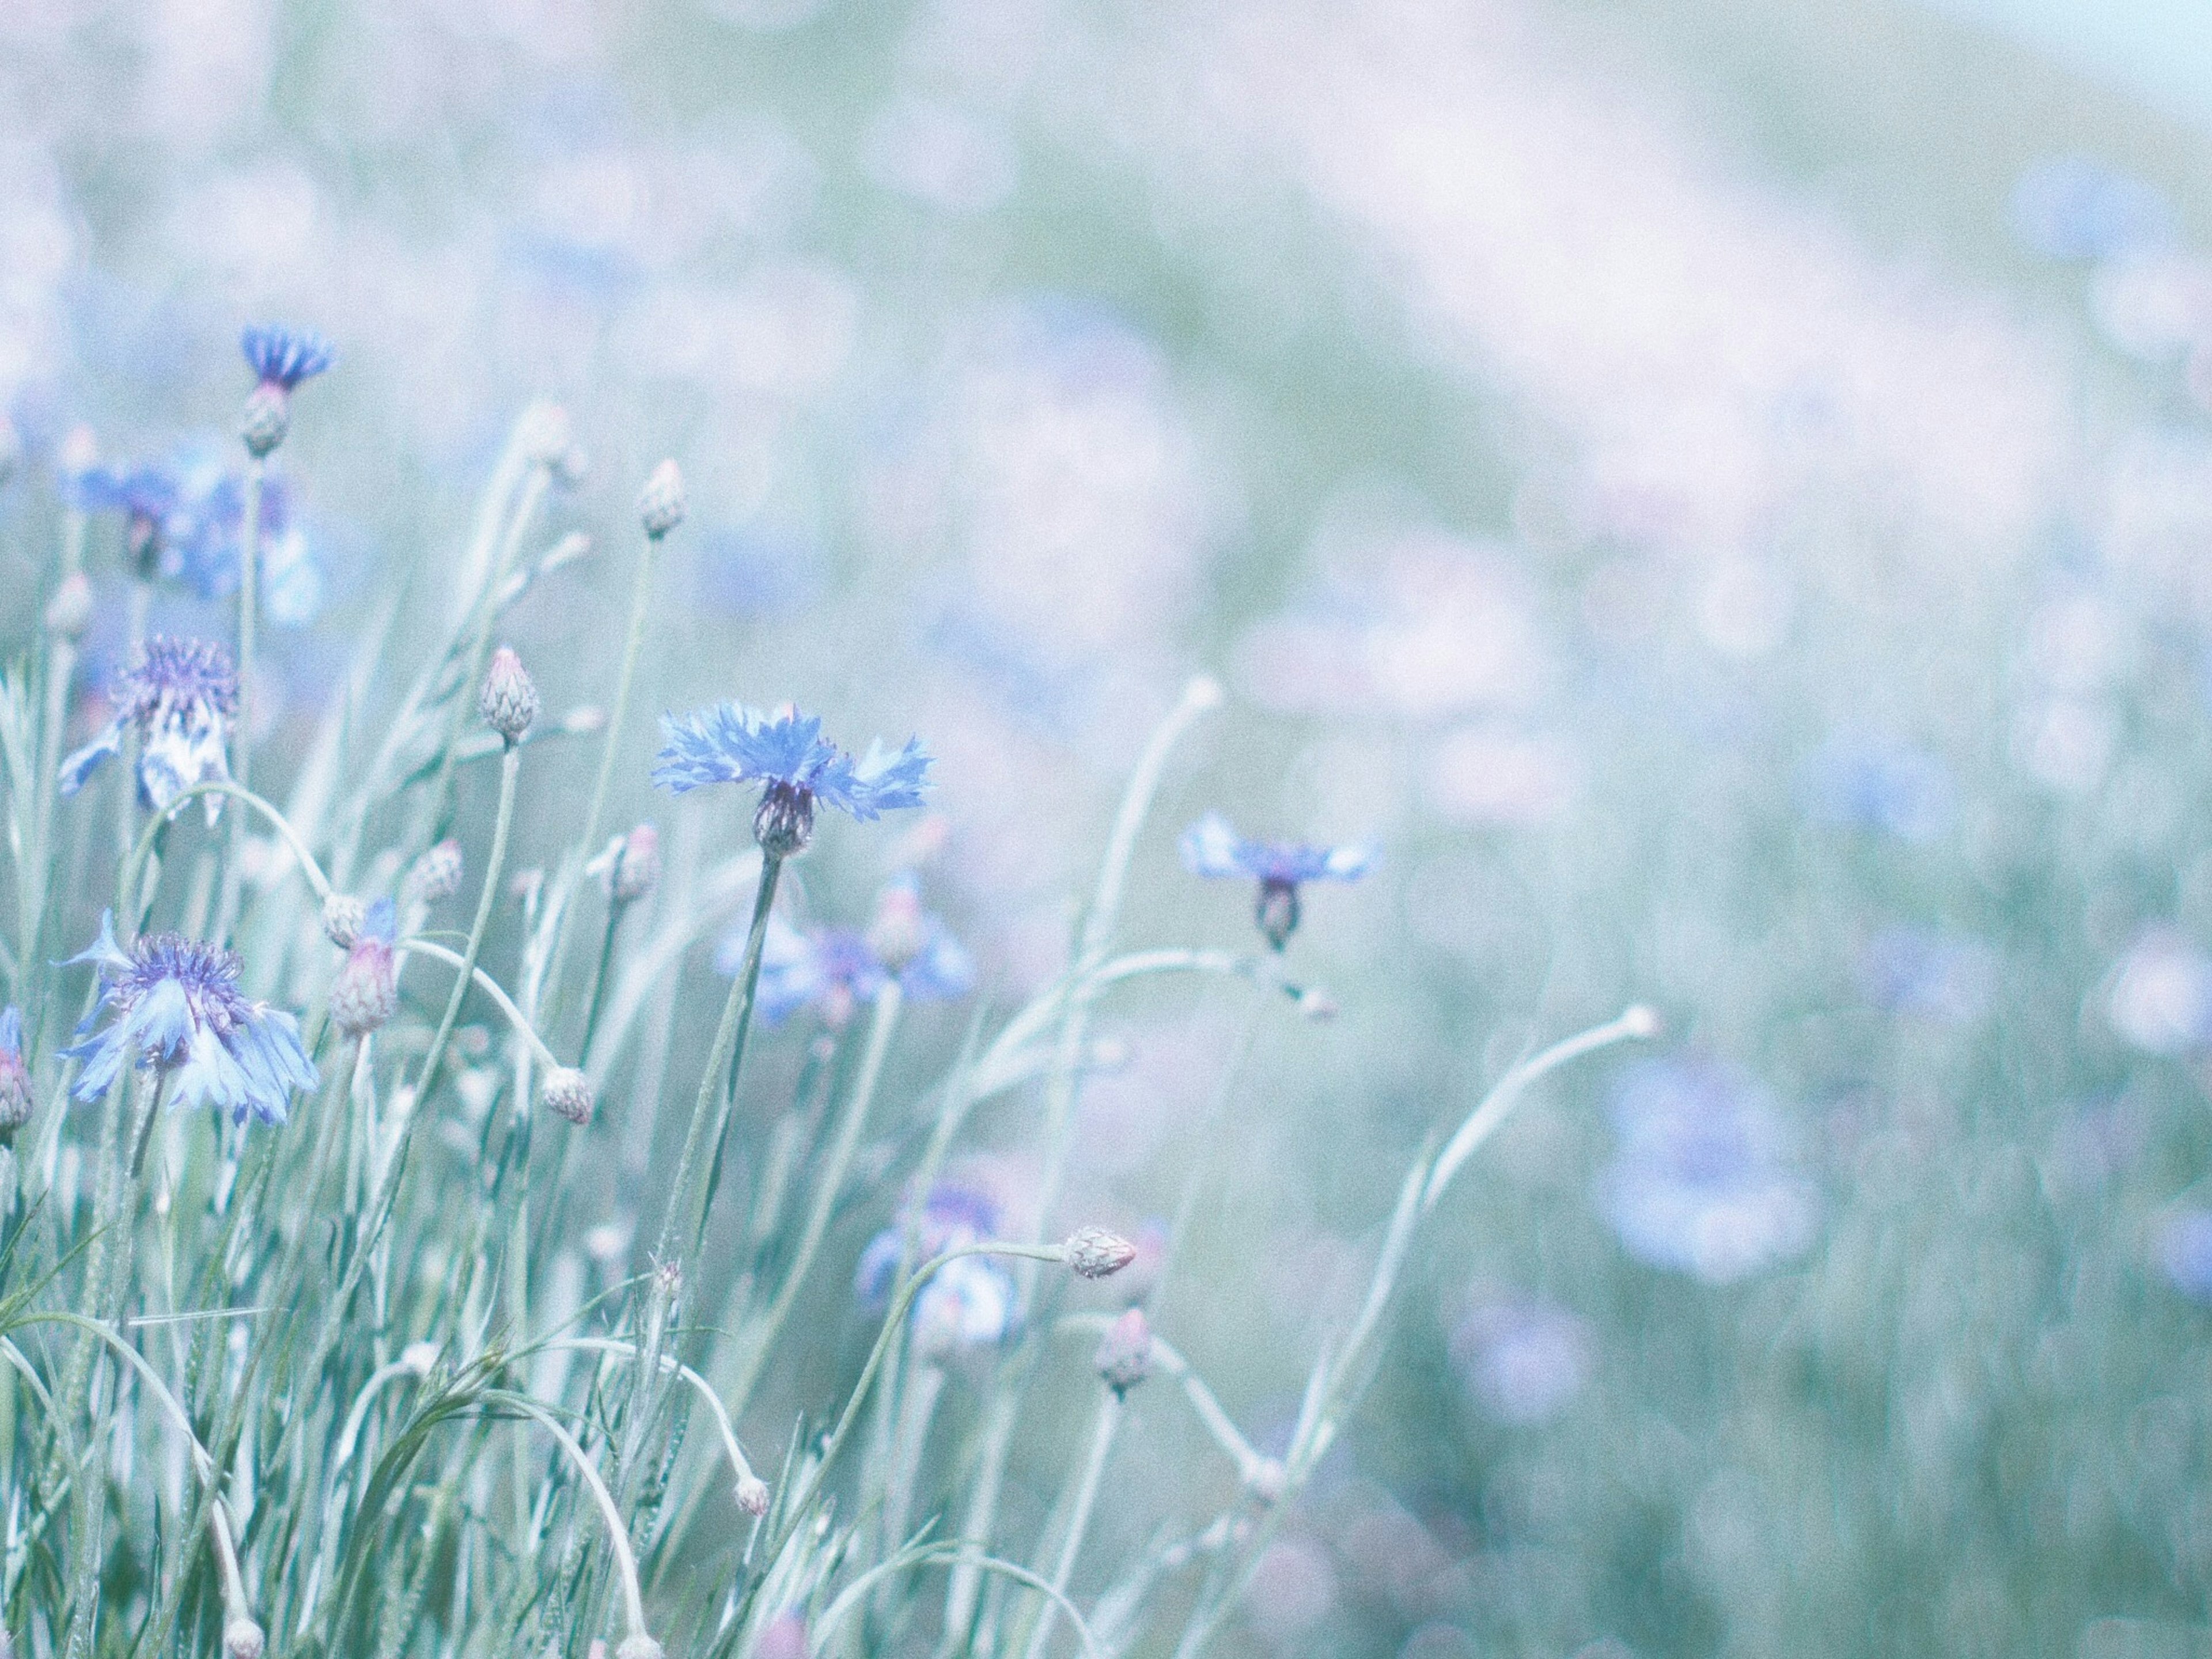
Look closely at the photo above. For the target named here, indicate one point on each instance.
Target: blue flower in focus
(1904, 793)
(787, 754)
(970, 1303)
(1212, 848)
(1699, 1182)
(2072, 208)
(174, 1005)
(282, 357)
(180, 698)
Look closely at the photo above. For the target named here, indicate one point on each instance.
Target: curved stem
(618, 1535)
(144, 849)
(494, 866)
(1078, 1521)
(739, 1464)
(416, 945)
(761, 1342)
(964, 1555)
(727, 1054)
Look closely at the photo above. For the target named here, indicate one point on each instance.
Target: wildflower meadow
(1017, 829)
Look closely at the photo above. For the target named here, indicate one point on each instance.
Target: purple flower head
(970, 1303)
(14, 1079)
(147, 496)
(174, 1006)
(835, 970)
(179, 697)
(282, 357)
(1700, 1183)
(795, 766)
(1212, 848)
(201, 539)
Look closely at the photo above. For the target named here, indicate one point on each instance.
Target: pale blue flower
(179, 695)
(972, 1302)
(1212, 848)
(795, 766)
(282, 357)
(174, 1005)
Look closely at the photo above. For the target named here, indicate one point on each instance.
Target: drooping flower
(366, 993)
(971, 1303)
(1211, 848)
(15, 1099)
(795, 766)
(1701, 1182)
(175, 1006)
(179, 697)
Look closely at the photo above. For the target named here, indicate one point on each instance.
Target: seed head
(437, 873)
(342, 914)
(661, 504)
(1094, 1253)
(266, 419)
(567, 1092)
(508, 702)
(242, 1639)
(68, 611)
(1125, 1355)
(753, 1495)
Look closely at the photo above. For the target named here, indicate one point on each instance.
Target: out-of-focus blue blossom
(283, 357)
(1046, 699)
(179, 695)
(758, 575)
(1899, 791)
(835, 970)
(2070, 207)
(1211, 848)
(147, 496)
(1916, 970)
(174, 1005)
(1699, 1182)
(15, 1100)
(185, 518)
(2161, 994)
(1524, 1360)
(2184, 1252)
(787, 754)
(970, 1303)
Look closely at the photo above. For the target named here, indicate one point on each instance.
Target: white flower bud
(567, 1092)
(243, 1639)
(1094, 1253)
(343, 915)
(1125, 1355)
(508, 702)
(660, 504)
(753, 1495)
(437, 873)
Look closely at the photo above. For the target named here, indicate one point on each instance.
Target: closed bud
(437, 873)
(15, 1097)
(366, 993)
(638, 1645)
(68, 611)
(1265, 1477)
(1125, 1355)
(267, 418)
(343, 913)
(1094, 1253)
(242, 1639)
(753, 1495)
(660, 504)
(567, 1092)
(1317, 1005)
(508, 702)
(629, 868)
(419, 1358)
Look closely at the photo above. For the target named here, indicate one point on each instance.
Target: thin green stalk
(760, 1339)
(249, 601)
(494, 866)
(1079, 1520)
(727, 1055)
(641, 604)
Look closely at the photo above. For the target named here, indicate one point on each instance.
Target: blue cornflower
(14, 1079)
(971, 1303)
(282, 357)
(835, 970)
(787, 754)
(147, 496)
(179, 695)
(1212, 848)
(177, 1009)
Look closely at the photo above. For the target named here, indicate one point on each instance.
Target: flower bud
(567, 1092)
(366, 993)
(629, 868)
(753, 1495)
(544, 434)
(437, 873)
(1266, 1478)
(342, 914)
(638, 1645)
(1315, 1004)
(419, 1356)
(242, 1639)
(1125, 1355)
(68, 611)
(1094, 1253)
(508, 702)
(660, 504)
(266, 419)
(16, 1100)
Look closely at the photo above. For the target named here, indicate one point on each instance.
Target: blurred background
(1719, 489)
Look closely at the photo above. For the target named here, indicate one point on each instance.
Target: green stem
(640, 601)
(494, 867)
(761, 1340)
(727, 1054)
(1078, 1521)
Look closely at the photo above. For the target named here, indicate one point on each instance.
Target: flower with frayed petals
(15, 1099)
(179, 695)
(795, 766)
(176, 1008)
(280, 356)
(1211, 848)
